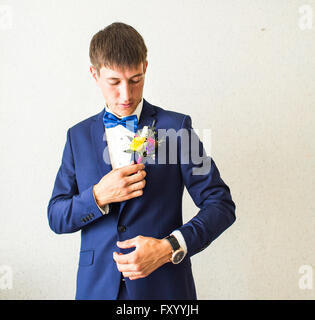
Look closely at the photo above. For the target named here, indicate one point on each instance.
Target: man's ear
(145, 66)
(94, 73)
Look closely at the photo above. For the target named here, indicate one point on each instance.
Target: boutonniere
(144, 143)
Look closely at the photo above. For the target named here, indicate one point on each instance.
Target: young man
(133, 241)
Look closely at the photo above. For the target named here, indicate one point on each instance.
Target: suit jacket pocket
(86, 258)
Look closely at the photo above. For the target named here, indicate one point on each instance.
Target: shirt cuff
(180, 238)
(104, 209)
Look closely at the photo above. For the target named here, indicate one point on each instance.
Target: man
(133, 241)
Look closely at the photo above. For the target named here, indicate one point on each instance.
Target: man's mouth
(126, 105)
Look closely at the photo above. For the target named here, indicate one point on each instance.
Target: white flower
(144, 132)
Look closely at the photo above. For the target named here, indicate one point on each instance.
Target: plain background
(244, 69)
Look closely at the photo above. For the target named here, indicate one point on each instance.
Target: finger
(129, 243)
(136, 186)
(132, 274)
(138, 176)
(119, 253)
(136, 278)
(127, 268)
(116, 254)
(132, 162)
(132, 168)
(122, 258)
(134, 194)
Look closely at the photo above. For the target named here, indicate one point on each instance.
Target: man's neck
(137, 111)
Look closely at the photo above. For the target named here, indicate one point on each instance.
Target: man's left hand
(150, 254)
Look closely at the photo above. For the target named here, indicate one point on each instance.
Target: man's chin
(123, 111)
(126, 111)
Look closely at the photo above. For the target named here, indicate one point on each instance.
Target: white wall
(245, 69)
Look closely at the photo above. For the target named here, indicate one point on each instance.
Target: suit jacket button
(121, 228)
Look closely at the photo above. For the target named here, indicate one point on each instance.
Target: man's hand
(150, 254)
(120, 184)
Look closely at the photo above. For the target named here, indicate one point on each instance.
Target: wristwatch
(178, 252)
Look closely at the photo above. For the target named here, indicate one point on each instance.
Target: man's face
(122, 88)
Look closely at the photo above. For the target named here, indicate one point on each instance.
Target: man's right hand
(120, 184)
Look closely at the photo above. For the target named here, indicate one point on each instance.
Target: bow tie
(130, 122)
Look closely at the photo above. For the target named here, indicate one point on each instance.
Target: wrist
(97, 196)
(167, 250)
(178, 252)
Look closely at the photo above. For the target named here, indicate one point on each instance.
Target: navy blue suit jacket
(156, 213)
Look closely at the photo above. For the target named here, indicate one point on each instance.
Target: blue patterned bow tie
(129, 122)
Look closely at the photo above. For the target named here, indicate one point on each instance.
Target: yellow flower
(137, 143)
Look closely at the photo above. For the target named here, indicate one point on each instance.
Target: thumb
(126, 244)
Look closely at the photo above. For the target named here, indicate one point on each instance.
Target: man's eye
(115, 83)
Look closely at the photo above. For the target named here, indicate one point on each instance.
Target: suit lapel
(98, 138)
(147, 115)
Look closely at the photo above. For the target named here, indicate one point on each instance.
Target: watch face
(178, 256)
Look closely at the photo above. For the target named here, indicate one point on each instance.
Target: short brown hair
(117, 45)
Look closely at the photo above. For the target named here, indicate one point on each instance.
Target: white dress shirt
(117, 142)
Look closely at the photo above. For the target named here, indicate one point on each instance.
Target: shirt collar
(137, 112)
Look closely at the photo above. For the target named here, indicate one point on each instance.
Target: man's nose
(125, 92)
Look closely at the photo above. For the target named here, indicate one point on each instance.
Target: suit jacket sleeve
(208, 191)
(68, 210)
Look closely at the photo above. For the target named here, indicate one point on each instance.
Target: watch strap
(173, 241)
